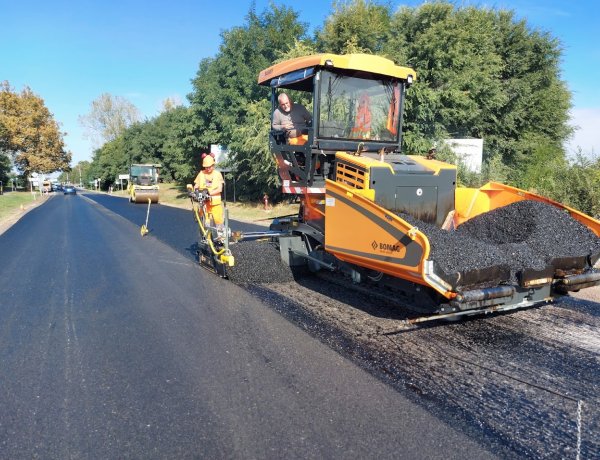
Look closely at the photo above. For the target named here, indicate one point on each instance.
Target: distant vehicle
(46, 186)
(143, 183)
(56, 187)
(69, 190)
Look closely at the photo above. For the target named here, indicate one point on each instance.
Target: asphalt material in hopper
(525, 235)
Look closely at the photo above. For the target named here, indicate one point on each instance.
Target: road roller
(398, 223)
(143, 183)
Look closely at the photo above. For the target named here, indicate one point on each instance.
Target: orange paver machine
(399, 221)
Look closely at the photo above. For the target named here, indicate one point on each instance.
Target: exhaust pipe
(577, 282)
(477, 295)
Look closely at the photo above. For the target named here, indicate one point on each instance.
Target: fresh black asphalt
(114, 345)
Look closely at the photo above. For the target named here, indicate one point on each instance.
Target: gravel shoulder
(515, 381)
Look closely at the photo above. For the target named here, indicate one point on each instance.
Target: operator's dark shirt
(298, 116)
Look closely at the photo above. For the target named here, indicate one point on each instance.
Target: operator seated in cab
(145, 179)
(293, 119)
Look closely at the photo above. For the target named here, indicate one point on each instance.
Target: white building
(470, 151)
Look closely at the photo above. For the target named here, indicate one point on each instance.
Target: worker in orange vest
(362, 121)
(212, 180)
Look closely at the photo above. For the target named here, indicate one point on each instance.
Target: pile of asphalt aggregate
(549, 231)
(456, 251)
(258, 262)
(523, 235)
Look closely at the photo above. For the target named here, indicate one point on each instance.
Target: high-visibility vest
(210, 182)
(362, 121)
(394, 112)
(300, 140)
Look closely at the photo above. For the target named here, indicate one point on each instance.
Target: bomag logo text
(386, 247)
(390, 247)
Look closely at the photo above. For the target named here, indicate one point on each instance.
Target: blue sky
(70, 52)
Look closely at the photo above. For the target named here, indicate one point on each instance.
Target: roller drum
(141, 196)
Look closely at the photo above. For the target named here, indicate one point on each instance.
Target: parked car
(69, 190)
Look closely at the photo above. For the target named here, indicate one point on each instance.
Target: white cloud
(587, 134)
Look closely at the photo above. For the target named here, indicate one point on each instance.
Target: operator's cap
(208, 161)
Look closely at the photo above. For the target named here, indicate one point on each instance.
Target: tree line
(481, 73)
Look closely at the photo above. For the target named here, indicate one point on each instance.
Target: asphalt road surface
(114, 345)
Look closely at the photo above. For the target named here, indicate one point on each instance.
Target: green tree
(582, 183)
(143, 142)
(225, 88)
(4, 168)
(481, 74)
(358, 26)
(256, 173)
(300, 48)
(4, 159)
(180, 159)
(109, 161)
(167, 139)
(542, 171)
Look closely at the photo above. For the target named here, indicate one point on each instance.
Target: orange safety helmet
(208, 161)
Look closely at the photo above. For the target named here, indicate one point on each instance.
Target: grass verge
(14, 204)
(11, 202)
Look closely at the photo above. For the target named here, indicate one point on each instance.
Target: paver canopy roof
(360, 62)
